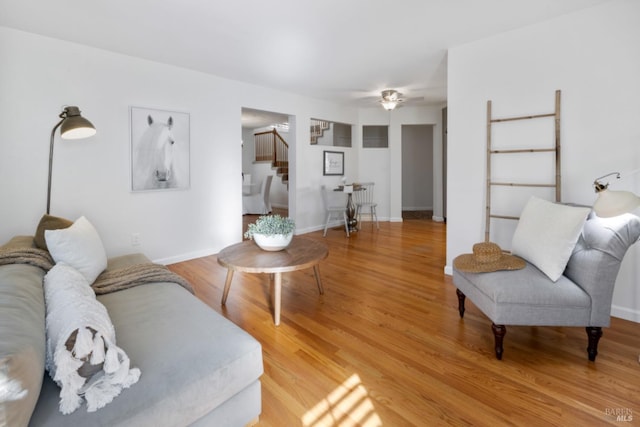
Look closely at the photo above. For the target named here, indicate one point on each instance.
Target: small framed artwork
(333, 163)
(159, 149)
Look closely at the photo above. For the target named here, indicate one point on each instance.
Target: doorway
(256, 167)
(417, 171)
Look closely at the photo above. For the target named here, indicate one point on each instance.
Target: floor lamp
(612, 203)
(72, 126)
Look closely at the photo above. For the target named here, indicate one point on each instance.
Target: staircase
(282, 170)
(317, 129)
(271, 147)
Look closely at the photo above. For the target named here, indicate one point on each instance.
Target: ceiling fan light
(388, 104)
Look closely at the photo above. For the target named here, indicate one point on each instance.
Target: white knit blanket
(72, 306)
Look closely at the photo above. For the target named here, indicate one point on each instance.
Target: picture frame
(333, 163)
(160, 149)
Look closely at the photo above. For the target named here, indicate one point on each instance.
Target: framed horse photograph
(159, 149)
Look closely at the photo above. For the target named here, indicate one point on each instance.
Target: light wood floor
(384, 346)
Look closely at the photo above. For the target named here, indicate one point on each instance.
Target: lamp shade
(74, 126)
(613, 203)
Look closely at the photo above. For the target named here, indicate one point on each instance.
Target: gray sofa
(581, 297)
(197, 367)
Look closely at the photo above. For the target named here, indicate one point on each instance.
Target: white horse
(153, 157)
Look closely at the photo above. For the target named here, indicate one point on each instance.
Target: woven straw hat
(487, 257)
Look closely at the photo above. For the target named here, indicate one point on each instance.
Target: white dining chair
(258, 203)
(247, 185)
(337, 206)
(364, 200)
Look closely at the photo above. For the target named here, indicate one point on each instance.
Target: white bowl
(276, 242)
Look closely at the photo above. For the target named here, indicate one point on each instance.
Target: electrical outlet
(135, 239)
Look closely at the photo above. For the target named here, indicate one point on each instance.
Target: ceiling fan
(390, 99)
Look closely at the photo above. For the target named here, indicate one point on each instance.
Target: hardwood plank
(385, 346)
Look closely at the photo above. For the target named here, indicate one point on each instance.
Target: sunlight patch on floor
(347, 405)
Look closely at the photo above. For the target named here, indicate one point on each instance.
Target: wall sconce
(611, 202)
(72, 126)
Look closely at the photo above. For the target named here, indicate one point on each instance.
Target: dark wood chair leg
(461, 298)
(594, 333)
(499, 331)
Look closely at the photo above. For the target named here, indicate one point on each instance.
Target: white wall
(307, 178)
(593, 57)
(39, 75)
(384, 165)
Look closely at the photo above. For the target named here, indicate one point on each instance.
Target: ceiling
(342, 51)
(253, 119)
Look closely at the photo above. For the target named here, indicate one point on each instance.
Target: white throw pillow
(80, 247)
(547, 233)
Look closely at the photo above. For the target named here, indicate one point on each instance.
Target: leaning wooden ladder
(491, 152)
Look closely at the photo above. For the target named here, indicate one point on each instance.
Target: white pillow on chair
(547, 233)
(79, 246)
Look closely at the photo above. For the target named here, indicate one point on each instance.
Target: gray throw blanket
(138, 274)
(26, 255)
(108, 281)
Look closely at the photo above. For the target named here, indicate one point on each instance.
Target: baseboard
(319, 228)
(448, 270)
(437, 218)
(417, 208)
(625, 313)
(185, 257)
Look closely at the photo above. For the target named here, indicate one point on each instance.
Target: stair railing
(270, 146)
(318, 127)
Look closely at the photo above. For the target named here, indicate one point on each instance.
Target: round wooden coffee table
(247, 257)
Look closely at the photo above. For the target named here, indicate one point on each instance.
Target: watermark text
(619, 414)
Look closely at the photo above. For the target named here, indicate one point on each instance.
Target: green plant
(270, 225)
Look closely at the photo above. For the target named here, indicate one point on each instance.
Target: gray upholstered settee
(197, 367)
(581, 297)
